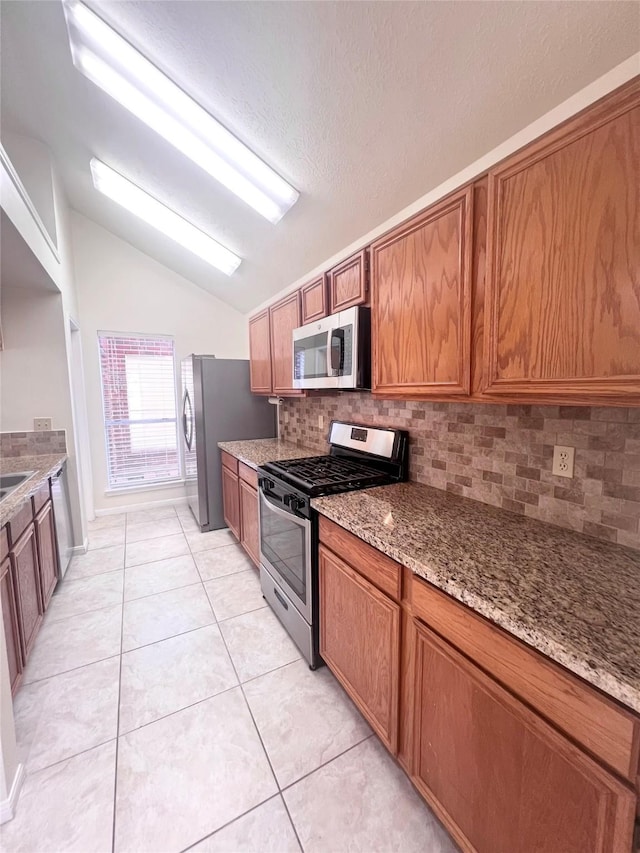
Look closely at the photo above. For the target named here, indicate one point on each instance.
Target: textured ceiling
(362, 106)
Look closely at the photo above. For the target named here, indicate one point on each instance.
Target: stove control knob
(294, 502)
(265, 484)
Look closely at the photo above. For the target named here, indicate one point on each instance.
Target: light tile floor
(164, 708)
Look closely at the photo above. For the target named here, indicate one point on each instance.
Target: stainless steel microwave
(334, 352)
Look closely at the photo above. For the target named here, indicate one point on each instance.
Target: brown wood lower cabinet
(504, 778)
(249, 521)
(360, 641)
(513, 753)
(240, 502)
(231, 501)
(25, 561)
(11, 628)
(47, 552)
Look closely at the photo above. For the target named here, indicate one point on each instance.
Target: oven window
(310, 357)
(283, 545)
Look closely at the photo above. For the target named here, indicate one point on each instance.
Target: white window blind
(139, 397)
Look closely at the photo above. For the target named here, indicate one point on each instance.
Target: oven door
(312, 355)
(285, 551)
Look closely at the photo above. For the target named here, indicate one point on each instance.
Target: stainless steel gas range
(360, 457)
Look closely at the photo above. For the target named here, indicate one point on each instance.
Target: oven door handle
(300, 520)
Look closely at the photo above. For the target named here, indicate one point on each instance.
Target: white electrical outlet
(320, 421)
(563, 458)
(41, 424)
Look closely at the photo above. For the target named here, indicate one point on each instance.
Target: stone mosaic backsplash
(502, 454)
(33, 443)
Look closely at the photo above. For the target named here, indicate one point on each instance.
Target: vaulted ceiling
(362, 106)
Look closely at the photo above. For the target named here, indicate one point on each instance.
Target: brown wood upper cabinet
(349, 282)
(260, 353)
(285, 317)
(314, 297)
(421, 302)
(562, 313)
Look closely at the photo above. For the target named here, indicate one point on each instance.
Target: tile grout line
(115, 775)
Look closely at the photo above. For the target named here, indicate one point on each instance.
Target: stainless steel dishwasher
(62, 515)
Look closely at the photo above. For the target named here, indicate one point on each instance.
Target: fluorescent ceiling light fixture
(114, 65)
(165, 220)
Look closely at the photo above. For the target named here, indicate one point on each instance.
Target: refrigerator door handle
(187, 420)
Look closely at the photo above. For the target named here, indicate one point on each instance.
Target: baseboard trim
(118, 510)
(8, 806)
(80, 549)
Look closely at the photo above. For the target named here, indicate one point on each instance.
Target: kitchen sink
(9, 482)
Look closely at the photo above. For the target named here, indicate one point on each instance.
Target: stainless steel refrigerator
(217, 405)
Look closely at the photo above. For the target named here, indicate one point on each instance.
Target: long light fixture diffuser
(114, 65)
(162, 218)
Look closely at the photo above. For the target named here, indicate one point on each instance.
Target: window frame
(157, 484)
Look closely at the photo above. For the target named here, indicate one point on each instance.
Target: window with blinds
(139, 398)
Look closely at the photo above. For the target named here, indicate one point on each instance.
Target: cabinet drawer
(41, 497)
(381, 570)
(19, 522)
(604, 728)
(229, 461)
(249, 475)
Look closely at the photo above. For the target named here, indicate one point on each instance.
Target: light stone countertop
(574, 598)
(254, 452)
(43, 467)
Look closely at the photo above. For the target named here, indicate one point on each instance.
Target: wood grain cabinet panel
(27, 578)
(360, 642)
(231, 500)
(47, 552)
(314, 298)
(285, 317)
(421, 303)
(349, 282)
(502, 779)
(563, 277)
(249, 521)
(11, 629)
(260, 353)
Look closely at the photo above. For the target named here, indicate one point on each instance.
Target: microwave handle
(337, 350)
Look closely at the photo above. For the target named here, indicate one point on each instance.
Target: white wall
(120, 289)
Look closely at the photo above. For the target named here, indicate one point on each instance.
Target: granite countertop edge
(258, 451)
(43, 465)
(607, 682)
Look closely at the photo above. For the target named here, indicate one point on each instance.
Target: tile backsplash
(33, 443)
(502, 454)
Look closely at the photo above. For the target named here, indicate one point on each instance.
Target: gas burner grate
(320, 471)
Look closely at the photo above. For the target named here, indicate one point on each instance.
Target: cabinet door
(231, 501)
(314, 300)
(360, 642)
(27, 575)
(260, 353)
(349, 283)
(501, 778)
(249, 516)
(10, 620)
(285, 317)
(563, 278)
(421, 303)
(47, 552)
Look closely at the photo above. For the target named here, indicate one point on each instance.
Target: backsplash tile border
(502, 454)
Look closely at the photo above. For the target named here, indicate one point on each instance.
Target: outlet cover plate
(563, 460)
(42, 424)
